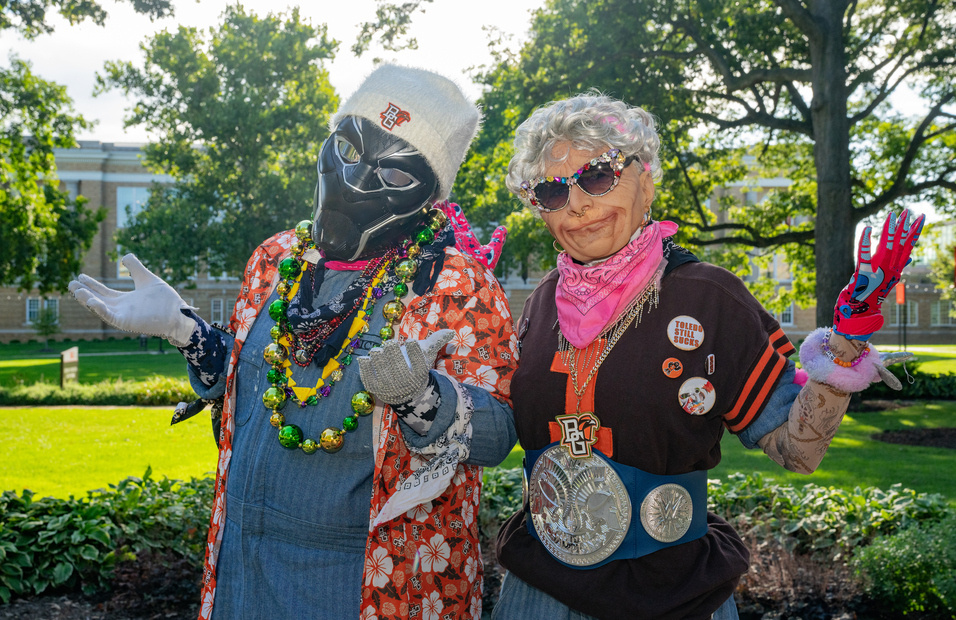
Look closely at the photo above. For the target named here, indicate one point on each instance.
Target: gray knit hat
(423, 108)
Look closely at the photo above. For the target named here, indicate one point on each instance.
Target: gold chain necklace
(571, 354)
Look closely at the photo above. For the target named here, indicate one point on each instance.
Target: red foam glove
(466, 241)
(857, 312)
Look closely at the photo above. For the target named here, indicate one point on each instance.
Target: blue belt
(637, 542)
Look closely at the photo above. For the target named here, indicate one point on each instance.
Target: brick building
(110, 175)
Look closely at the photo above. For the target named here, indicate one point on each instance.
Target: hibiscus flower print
(471, 569)
(419, 512)
(378, 567)
(501, 306)
(475, 606)
(435, 554)
(485, 377)
(432, 607)
(285, 241)
(463, 340)
(446, 279)
(224, 461)
(207, 604)
(459, 475)
(434, 312)
(217, 511)
(244, 320)
(369, 613)
(468, 514)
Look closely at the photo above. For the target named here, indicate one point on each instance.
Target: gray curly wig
(587, 121)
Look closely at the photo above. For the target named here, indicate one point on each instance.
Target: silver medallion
(666, 512)
(579, 506)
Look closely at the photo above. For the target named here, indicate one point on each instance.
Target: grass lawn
(68, 450)
(933, 359)
(855, 459)
(63, 451)
(99, 360)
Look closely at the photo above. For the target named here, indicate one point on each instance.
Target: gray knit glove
(398, 373)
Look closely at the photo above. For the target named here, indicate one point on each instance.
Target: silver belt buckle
(666, 512)
(580, 508)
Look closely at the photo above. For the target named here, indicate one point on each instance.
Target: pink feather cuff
(822, 369)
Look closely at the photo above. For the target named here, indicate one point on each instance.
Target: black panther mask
(372, 190)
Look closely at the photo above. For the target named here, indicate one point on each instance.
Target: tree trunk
(831, 131)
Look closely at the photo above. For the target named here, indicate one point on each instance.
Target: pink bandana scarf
(590, 298)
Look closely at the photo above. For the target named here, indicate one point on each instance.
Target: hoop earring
(554, 244)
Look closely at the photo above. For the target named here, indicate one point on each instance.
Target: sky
(450, 34)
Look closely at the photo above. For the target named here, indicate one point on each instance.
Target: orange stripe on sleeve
(761, 398)
(745, 392)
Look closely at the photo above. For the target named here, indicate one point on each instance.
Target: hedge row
(903, 544)
(152, 391)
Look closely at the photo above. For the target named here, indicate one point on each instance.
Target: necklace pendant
(579, 432)
(302, 356)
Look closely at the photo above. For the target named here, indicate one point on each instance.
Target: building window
(33, 308)
(129, 202)
(216, 314)
(911, 313)
(785, 318)
(940, 313)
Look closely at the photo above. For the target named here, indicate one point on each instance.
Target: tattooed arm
(800, 443)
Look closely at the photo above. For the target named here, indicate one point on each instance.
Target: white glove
(151, 308)
(398, 373)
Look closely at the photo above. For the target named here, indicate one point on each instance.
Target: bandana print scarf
(590, 298)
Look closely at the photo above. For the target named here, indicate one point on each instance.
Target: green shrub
(914, 570)
(76, 543)
(824, 522)
(500, 498)
(149, 392)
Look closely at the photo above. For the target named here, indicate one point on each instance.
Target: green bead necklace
(277, 354)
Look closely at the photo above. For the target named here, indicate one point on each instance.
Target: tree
(798, 88)
(47, 323)
(43, 233)
(29, 17)
(240, 112)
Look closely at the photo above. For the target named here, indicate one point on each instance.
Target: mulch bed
(930, 437)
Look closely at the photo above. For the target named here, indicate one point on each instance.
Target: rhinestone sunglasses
(596, 178)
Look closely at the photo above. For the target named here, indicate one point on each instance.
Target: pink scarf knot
(591, 298)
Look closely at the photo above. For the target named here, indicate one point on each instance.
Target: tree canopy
(31, 17)
(795, 89)
(240, 112)
(43, 232)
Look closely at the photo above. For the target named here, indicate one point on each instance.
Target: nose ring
(581, 214)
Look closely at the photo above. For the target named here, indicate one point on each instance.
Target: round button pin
(685, 332)
(697, 396)
(672, 367)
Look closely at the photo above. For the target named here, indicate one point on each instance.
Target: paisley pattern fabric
(590, 298)
(426, 563)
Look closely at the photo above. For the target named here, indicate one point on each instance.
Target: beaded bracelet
(836, 360)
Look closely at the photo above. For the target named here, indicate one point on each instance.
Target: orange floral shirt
(427, 562)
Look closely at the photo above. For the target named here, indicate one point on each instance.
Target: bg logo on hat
(394, 116)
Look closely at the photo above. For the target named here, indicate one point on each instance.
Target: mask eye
(393, 177)
(346, 151)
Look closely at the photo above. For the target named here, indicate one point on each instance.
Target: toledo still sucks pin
(685, 332)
